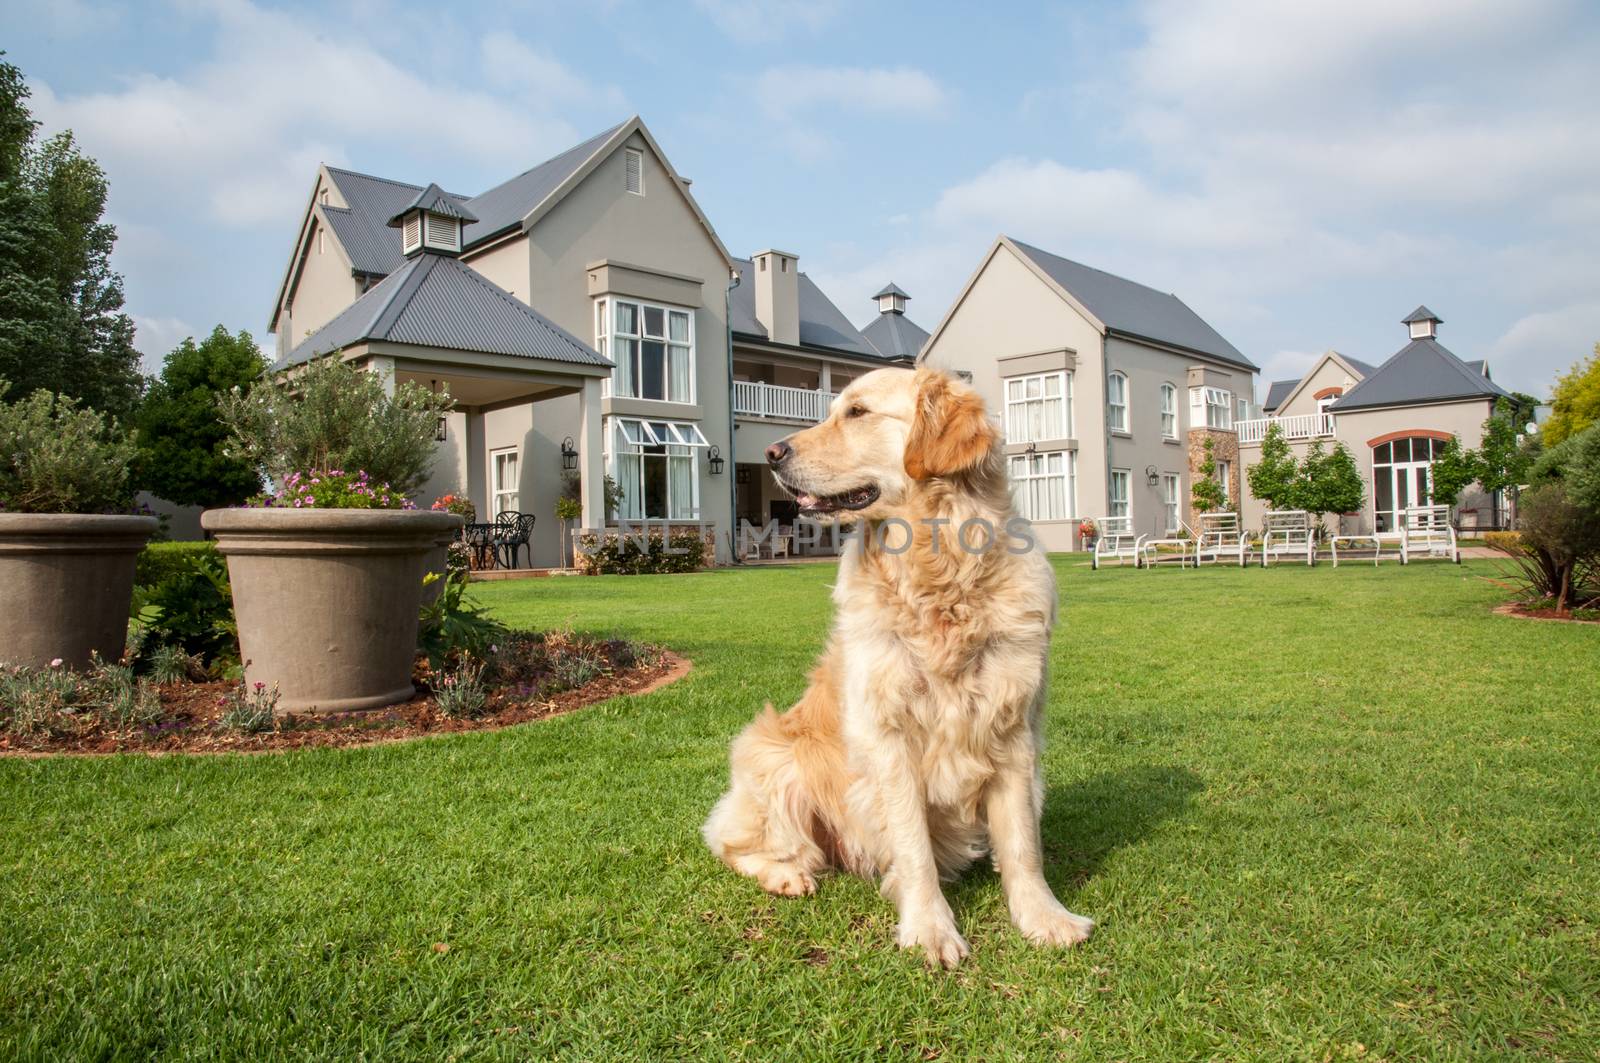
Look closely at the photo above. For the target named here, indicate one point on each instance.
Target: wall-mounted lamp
(714, 459)
(1151, 475)
(569, 454)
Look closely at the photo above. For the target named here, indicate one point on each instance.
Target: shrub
(161, 560)
(122, 700)
(58, 458)
(35, 700)
(1562, 540)
(456, 503)
(612, 553)
(333, 489)
(169, 664)
(190, 611)
(1507, 542)
(1207, 493)
(461, 694)
(454, 627)
(330, 415)
(249, 710)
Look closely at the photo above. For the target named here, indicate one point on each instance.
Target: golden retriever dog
(915, 749)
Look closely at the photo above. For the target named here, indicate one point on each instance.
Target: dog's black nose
(778, 453)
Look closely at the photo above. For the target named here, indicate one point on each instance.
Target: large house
(589, 322)
(1107, 390)
(1395, 419)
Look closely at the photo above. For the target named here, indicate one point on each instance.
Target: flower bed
(528, 676)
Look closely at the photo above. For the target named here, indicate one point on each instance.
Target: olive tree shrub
(57, 457)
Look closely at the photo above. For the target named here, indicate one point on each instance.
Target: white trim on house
(1169, 410)
(503, 498)
(1045, 484)
(1120, 506)
(1038, 407)
(1117, 400)
(1172, 500)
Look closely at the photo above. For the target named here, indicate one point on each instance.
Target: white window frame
(1169, 410)
(1211, 407)
(1118, 382)
(496, 492)
(608, 332)
(1172, 500)
(1120, 507)
(653, 438)
(1225, 478)
(1031, 474)
(1020, 404)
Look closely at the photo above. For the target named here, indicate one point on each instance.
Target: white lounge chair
(1116, 540)
(1287, 532)
(1221, 539)
(1428, 533)
(1152, 549)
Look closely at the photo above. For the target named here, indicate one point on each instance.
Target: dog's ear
(951, 433)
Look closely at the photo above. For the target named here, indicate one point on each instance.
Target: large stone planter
(66, 581)
(327, 599)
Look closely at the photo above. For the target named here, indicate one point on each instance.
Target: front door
(1401, 481)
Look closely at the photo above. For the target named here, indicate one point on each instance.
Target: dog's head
(887, 433)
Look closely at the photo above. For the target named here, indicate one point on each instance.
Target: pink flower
(57, 663)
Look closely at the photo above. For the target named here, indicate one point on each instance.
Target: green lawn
(1317, 814)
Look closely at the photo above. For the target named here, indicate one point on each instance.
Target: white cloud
(1538, 347)
(764, 21)
(789, 90)
(512, 63)
(155, 337)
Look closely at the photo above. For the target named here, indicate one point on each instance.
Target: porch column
(477, 457)
(384, 367)
(591, 456)
(826, 381)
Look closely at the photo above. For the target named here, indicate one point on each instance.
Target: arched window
(1402, 475)
(1117, 402)
(1169, 412)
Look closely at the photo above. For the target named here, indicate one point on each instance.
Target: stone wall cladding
(1224, 447)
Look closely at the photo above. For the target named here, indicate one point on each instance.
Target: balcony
(1295, 429)
(780, 403)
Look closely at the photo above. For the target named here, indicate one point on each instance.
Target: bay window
(1039, 407)
(1212, 407)
(652, 346)
(653, 462)
(1045, 485)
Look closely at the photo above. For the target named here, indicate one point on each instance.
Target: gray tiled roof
(506, 204)
(1421, 313)
(437, 301)
(1135, 310)
(1366, 369)
(891, 289)
(821, 323)
(1276, 393)
(1422, 371)
(438, 201)
(895, 335)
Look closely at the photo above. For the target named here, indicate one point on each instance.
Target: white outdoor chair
(1116, 540)
(1221, 539)
(1288, 533)
(1428, 532)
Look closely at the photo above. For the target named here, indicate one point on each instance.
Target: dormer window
(432, 222)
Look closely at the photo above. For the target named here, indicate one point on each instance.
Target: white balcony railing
(771, 400)
(1300, 427)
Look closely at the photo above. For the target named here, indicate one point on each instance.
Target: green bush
(615, 554)
(58, 458)
(330, 415)
(160, 560)
(454, 627)
(190, 609)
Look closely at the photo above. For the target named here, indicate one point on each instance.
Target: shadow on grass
(1088, 820)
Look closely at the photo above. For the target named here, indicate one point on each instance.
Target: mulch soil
(190, 712)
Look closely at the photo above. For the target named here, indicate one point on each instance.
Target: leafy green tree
(1454, 469)
(1272, 478)
(1575, 404)
(1328, 482)
(62, 328)
(183, 446)
(1506, 454)
(1206, 492)
(330, 415)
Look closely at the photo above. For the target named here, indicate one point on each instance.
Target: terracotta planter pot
(327, 599)
(66, 581)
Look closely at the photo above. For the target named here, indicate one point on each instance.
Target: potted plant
(327, 570)
(68, 533)
(1087, 532)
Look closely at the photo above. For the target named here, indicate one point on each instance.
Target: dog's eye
(856, 410)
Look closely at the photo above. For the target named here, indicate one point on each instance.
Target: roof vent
(432, 222)
(1424, 323)
(891, 300)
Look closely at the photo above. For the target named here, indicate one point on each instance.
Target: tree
(183, 447)
(1575, 404)
(1506, 454)
(62, 328)
(1272, 478)
(1453, 469)
(1206, 493)
(330, 415)
(1329, 482)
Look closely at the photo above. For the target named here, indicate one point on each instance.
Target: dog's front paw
(942, 944)
(1051, 924)
(787, 880)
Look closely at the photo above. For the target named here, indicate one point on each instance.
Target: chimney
(777, 284)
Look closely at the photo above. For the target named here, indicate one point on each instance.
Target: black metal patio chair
(513, 532)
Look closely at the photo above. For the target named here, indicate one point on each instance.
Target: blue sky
(1303, 175)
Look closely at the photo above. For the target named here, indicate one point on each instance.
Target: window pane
(628, 318)
(1402, 450)
(655, 321)
(600, 318)
(655, 486)
(1380, 456)
(626, 373)
(1013, 390)
(680, 485)
(652, 370)
(679, 322)
(678, 373)
(629, 468)
(1052, 385)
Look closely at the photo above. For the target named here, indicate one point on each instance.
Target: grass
(1318, 814)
